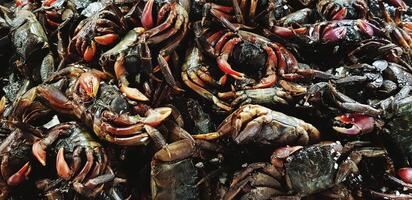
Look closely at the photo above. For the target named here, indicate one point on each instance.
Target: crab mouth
(354, 124)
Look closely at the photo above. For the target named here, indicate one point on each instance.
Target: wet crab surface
(205, 99)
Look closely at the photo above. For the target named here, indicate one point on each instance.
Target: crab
(100, 105)
(102, 29)
(70, 141)
(275, 66)
(342, 9)
(295, 171)
(258, 125)
(33, 57)
(137, 47)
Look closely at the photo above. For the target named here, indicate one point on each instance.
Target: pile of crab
(205, 99)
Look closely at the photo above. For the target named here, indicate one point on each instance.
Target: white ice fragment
(199, 165)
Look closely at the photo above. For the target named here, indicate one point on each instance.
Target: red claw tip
(341, 14)
(406, 174)
(334, 34)
(39, 153)
(360, 124)
(147, 15)
(20, 176)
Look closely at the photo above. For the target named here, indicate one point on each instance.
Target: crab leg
(349, 104)
(139, 139)
(87, 167)
(39, 147)
(270, 77)
(180, 21)
(223, 57)
(178, 150)
(120, 131)
(204, 93)
(165, 25)
(240, 10)
(75, 165)
(161, 14)
(222, 41)
(164, 66)
(121, 75)
(94, 185)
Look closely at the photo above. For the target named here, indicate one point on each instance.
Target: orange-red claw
(90, 52)
(157, 115)
(133, 93)
(147, 15)
(361, 124)
(405, 174)
(90, 83)
(39, 152)
(48, 3)
(62, 167)
(20, 175)
(107, 39)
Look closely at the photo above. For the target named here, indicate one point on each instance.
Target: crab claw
(334, 34)
(62, 167)
(90, 52)
(157, 115)
(405, 174)
(20, 175)
(21, 3)
(147, 17)
(48, 3)
(89, 83)
(340, 14)
(39, 152)
(281, 153)
(133, 93)
(365, 27)
(360, 124)
(107, 39)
